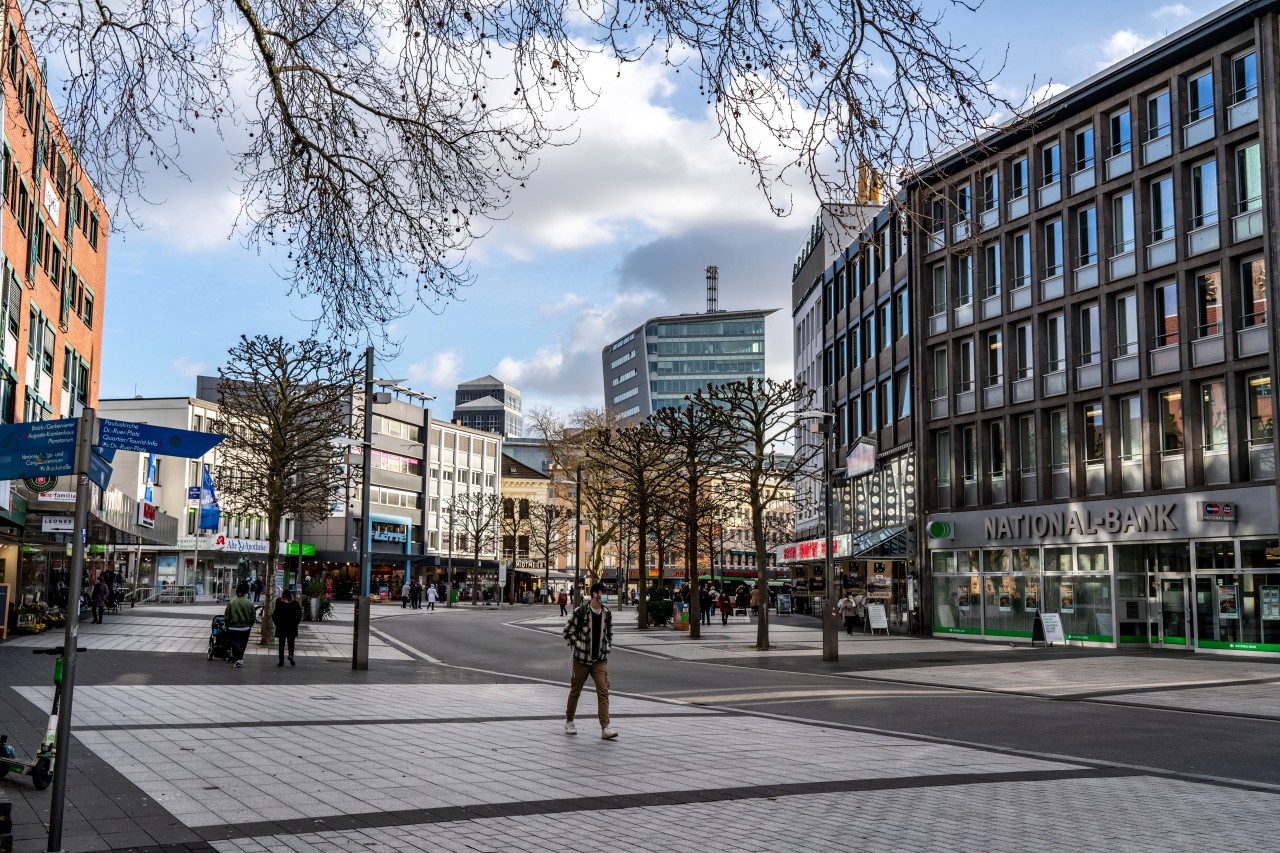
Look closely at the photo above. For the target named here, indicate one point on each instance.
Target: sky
(610, 231)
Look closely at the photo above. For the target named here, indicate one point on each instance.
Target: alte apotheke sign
(1154, 518)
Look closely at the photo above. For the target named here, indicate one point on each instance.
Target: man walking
(589, 632)
(287, 616)
(101, 596)
(240, 618)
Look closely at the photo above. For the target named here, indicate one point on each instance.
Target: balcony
(1095, 479)
(1050, 193)
(937, 241)
(1217, 467)
(1242, 112)
(1162, 252)
(1262, 459)
(966, 399)
(1083, 180)
(1024, 390)
(940, 406)
(1085, 277)
(1055, 383)
(1166, 359)
(1124, 366)
(1252, 341)
(938, 321)
(964, 312)
(1051, 288)
(1208, 350)
(1173, 469)
(1203, 239)
(1020, 296)
(1019, 207)
(1061, 482)
(1089, 372)
(1157, 148)
(960, 231)
(993, 395)
(1247, 224)
(1122, 265)
(991, 305)
(989, 219)
(1119, 164)
(1200, 130)
(1131, 475)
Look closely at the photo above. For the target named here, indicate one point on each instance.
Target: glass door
(1176, 622)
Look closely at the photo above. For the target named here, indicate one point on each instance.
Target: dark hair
(287, 595)
(597, 587)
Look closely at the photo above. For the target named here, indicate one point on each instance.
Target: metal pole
(577, 542)
(62, 758)
(830, 632)
(360, 650)
(449, 592)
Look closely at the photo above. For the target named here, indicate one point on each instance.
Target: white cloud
(189, 368)
(441, 371)
(1040, 94)
(1173, 10)
(1121, 45)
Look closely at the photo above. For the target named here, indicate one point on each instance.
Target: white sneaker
(570, 728)
(607, 733)
(239, 664)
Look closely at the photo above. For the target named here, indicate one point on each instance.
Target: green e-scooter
(40, 769)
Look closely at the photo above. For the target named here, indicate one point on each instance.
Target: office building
(489, 404)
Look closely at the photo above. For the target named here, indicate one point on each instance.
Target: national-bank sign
(1246, 512)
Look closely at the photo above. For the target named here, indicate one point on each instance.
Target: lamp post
(830, 630)
(449, 591)
(577, 541)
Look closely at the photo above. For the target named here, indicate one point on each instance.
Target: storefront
(1194, 571)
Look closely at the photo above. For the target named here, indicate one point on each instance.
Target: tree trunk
(762, 578)
(642, 573)
(691, 559)
(269, 584)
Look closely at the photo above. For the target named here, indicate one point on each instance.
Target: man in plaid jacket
(589, 632)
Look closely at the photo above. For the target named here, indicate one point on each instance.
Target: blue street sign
(38, 449)
(193, 493)
(147, 438)
(99, 469)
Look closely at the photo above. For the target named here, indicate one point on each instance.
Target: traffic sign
(99, 469)
(147, 438)
(38, 449)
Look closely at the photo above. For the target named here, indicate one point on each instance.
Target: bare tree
(758, 417)
(283, 404)
(375, 141)
(477, 515)
(548, 526)
(513, 524)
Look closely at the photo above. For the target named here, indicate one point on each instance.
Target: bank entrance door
(1177, 622)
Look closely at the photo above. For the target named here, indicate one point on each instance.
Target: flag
(209, 512)
(151, 478)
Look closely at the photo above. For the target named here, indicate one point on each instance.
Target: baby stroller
(219, 639)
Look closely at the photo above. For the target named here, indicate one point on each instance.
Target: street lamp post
(449, 591)
(360, 648)
(577, 541)
(830, 630)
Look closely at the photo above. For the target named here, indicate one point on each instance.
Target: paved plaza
(175, 753)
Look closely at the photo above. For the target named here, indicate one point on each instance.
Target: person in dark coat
(286, 616)
(101, 595)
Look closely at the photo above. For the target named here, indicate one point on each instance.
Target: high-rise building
(489, 404)
(657, 364)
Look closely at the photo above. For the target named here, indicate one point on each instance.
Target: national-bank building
(1097, 351)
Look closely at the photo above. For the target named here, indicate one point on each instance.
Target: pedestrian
(404, 595)
(757, 598)
(258, 586)
(705, 602)
(848, 608)
(589, 632)
(432, 596)
(286, 616)
(726, 607)
(415, 595)
(240, 618)
(101, 596)
(563, 601)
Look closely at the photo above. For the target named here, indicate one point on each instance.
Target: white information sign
(879, 621)
(1053, 628)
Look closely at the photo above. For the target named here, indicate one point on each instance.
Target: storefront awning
(886, 542)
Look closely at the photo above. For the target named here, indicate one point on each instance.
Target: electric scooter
(41, 768)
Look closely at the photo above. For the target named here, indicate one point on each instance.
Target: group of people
(852, 609)
(411, 595)
(241, 616)
(725, 601)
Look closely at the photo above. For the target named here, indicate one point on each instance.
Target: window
(1171, 440)
(1213, 415)
(855, 346)
(1050, 164)
(1121, 134)
(1248, 178)
(1122, 233)
(995, 358)
(1208, 304)
(1162, 209)
(869, 339)
(870, 411)
(966, 365)
(964, 280)
(904, 393)
(942, 458)
(1084, 149)
(1204, 193)
(1125, 310)
(1158, 117)
(939, 277)
(842, 367)
(995, 432)
(1130, 429)
(1021, 259)
(904, 312)
(1019, 180)
(1087, 236)
(1053, 248)
(886, 402)
(1024, 352)
(969, 454)
(941, 378)
(1200, 96)
(1166, 314)
(963, 202)
(886, 324)
(1059, 442)
(991, 269)
(1090, 334)
(1093, 438)
(1244, 77)
(1056, 340)
(991, 190)
(1253, 287)
(1027, 444)
(1261, 413)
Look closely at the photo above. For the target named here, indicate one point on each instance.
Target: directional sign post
(38, 449)
(148, 438)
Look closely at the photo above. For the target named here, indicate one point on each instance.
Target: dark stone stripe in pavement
(481, 811)
(1168, 688)
(367, 721)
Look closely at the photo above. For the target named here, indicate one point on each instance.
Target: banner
(210, 515)
(151, 478)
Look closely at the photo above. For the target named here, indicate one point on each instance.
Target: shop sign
(191, 543)
(861, 459)
(1155, 518)
(1218, 511)
(146, 514)
(239, 546)
(387, 532)
(299, 549)
(57, 524)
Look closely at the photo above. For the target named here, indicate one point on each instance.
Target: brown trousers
(599, 672)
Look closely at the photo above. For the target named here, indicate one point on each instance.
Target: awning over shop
(885, 542)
